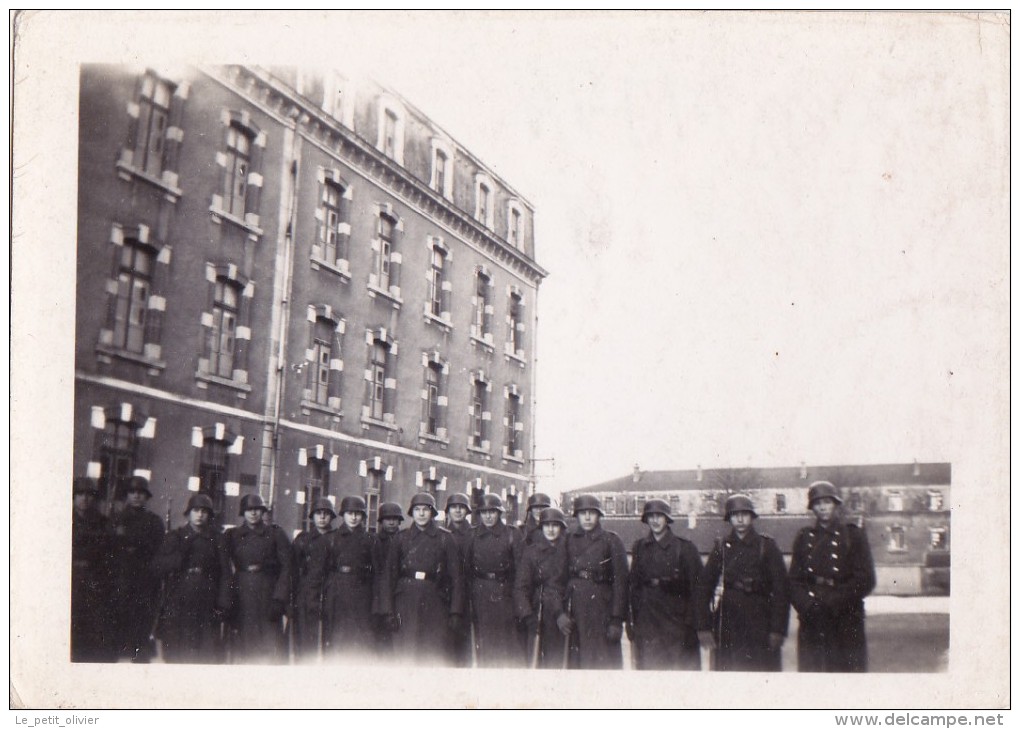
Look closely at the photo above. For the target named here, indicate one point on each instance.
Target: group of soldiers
(547, 594)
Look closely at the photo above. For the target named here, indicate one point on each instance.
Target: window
(515, 324)
(441, 164)
(212, 472)
(479, 413)
(117, 455)
(134, 282)
(153, 120)
(674, 504)
(221, 336)
(329, 229)
(938, 539)
(639, 503)
(386, 226)
(484, 203)
(481, 320)
(376, 479)
(897, 539)
(380, 381)
(442, 168)
(935, 501)
(780, 503)
(316, 487)
(515, 225)
(895, 501)
(390, 133)
(440, 287)
(322, 354)
(433, 373)
(380, 353)
(514, 426)
(384, 277)
(434, 396)
(391, 129)
(609, 505)
(856, 502)
(322, 358)
(235, 189)
(436, 281)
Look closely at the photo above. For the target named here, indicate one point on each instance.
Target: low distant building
(905, 509)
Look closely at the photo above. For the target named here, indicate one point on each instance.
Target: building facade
(904, 508)
(296, 285)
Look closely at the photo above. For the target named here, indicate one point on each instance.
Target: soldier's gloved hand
(455, 623)
(630, 631)
(706, 639)
(564, 623)
(776, 641)
(614, 631)
(276, 610)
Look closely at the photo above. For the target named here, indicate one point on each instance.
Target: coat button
(835, 556)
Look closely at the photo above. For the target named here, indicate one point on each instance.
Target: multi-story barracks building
(295, 285)
(904, 508)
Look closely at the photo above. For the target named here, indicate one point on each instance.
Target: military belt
(825, 581)
(598, 578)
(664, 583)
(422, 576)
(500, 576)
(748, 585)
(195, 570)
(253, 568)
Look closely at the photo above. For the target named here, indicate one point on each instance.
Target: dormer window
(391, 129)
(484, 188)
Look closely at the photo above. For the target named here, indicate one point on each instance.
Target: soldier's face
(198, 517)
(353, 519)
(457, 513)
(588, 519)
(83, 500)
(253, 516)
(536, 513)
(422, 515)
(741, 521)
(136, 499)
(321, 519)
(489, 517)
(656, 522)
(825, 509)
(552, 531)
(390, 525)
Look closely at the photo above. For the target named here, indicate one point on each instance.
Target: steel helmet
(739, 502)
(540, 501)
(656, 506)
(552, 515)
(492, 502)
(252, 501)
(85, 485)
(390, 510)
(353, 503)
(586, 502)
(423, 499)
(822, 490)
(323, 505)
(138, 483)
(199, 501)
(459, 500)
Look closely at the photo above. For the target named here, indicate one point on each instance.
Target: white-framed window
(316, 486)
(440, 283)
(240, 193)
(936, 501)
(442, 168)
(215, 464)
(227, 327)
(515, 225)
(117, 452)
(332, 242)
(479, 412)
(153, 121)
(391, 129)
(780, 503)
(134, 284)
(609, 505)
(434, 396)
(380, 356)
(515, 323)
(895, 501)
(482, 309)
(376, 475)
(380, 380)
(897, 538)
(484, 196)
(513, 425)
(384, 278)
(154, 134)
(235, 185)
(938, 539)
(437, 276)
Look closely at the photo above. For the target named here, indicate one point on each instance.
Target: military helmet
(199, 501)
(353, 503)
(822, 490)
(586, 502)
(138, 483)
(739, 502)
(390, 510)
(423, 499)
(252, 501)
(323, 505)
(540, 501)
(459, 500)
(552, 515)
(492, 502)
(85, 485)
(656, 506)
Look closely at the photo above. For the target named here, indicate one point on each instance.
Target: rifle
(717, 607)
(156, 644)
(536, 650)
(566, 638)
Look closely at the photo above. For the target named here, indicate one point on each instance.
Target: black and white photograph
(510, 360)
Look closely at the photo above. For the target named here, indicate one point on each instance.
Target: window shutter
(395, 265)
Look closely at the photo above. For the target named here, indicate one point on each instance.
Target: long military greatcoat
(830, 574)
(755, 601)
(490, 559)
(664, 577)
(540, 586)
(348, 576)
(137, 536)
(261, 559)
(460, 641)
(307, 551)
(597, 593)
(423, 587)
(92, 636)
(196, 567)
(383, 637)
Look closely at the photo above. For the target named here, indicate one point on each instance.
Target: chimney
(699, 473)
(917, 468)
(803, 469)
(637, 473)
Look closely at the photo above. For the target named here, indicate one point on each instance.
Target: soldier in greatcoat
(195, 566)
(260, 554)
(539, 591)
(391, 514)
(744, 602)
(137, 535)
(664, 575)
(307, 552)
(423, 593)
(348, 576)
(490, 559)
(92, 639)
(532, 527)
(458, 508)
(831, 572)
(597, 588)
